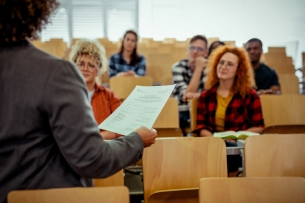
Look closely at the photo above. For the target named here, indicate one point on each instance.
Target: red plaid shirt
(241, 113)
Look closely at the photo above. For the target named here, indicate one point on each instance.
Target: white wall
(275, 22)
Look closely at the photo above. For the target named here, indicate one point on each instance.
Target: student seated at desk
(229, 101)
(127, 62)
(91, 60)
(266, 78)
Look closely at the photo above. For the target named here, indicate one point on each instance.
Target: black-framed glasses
(193, 48)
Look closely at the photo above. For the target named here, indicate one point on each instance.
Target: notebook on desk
(232, 135)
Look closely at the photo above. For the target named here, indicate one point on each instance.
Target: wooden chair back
(252, 190)
(289, 84)
(173, 165)
(71, 195)
(167, 80)
(169, 132)
(193, 113)
(276, 58)
(277, 50)
(116, 179)
(211, 40)
(159, 65)
(283, 109)
(169, 116)
(275, 155)
(284, 129)
(123, 86)
(230, 43)
(167, 123)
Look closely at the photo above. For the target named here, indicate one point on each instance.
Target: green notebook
(232, 135)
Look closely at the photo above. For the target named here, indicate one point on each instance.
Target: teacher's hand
(148, 135)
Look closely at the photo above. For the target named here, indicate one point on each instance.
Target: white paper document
(141, 108)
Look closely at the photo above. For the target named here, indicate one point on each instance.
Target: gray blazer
(48, 134)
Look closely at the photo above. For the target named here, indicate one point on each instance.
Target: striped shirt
(182, 75)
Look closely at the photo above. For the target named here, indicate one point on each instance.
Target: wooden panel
(284, 129)
(181, 44)
(159, 66)
(75, 195)
(167, 80)
(175, 196)
(179, 54)
(280, 62)
(114, 180)
(283, 109)
(282, 68)
(289, 84)
(105, 42)
(275, 155)
(61, 46)
(74, 40)
(169, 116)
(252, 190)
(169, 40)
(179, 163)
(105, 78)
(147, 40)
(169, 132)
(165, 49)
(279, 57)
(277, 50)
(110, 50)
(123, 86)
(211, 40)
(147, 50)
(56, 47)
(229, 43)
(193, 113)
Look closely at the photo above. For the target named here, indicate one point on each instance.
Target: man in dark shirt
(266, 78)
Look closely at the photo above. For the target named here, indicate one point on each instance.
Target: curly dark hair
(21, 19)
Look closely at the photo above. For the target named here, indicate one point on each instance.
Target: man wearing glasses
(188, 77)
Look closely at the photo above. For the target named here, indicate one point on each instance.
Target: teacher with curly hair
(48, 135)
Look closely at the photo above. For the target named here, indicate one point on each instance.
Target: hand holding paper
(141, 108)
(148, 136)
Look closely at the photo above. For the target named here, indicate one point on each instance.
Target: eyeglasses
(226, 64)
(81, 65)
(199, 49)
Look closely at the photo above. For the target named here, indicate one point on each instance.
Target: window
(92, 19)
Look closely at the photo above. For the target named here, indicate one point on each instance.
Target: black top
(265, 77)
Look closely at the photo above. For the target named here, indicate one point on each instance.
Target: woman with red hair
(229, 101)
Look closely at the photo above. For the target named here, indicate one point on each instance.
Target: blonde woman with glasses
(90, 58)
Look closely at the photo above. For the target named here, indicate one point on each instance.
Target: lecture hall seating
(172, 167)
(275, 155)
(116, 179)
(64, 195)
(252, 190)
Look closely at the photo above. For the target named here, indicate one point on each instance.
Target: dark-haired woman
(215, 45)
(127, 62)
